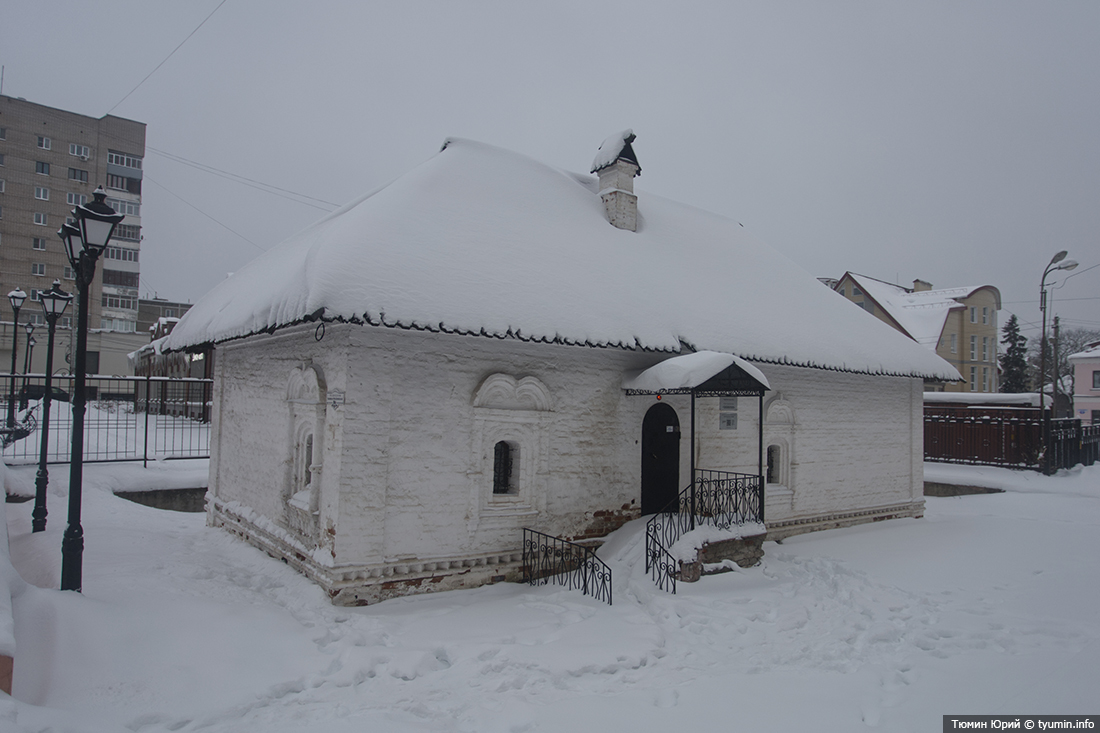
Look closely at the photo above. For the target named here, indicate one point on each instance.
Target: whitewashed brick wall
(407, 458)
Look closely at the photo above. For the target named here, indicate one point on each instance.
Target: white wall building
(406, 385)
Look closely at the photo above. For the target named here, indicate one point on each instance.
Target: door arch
(660, 458)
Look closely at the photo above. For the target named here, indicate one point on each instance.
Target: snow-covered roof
(920, 313)
(687, 371)
(480, 240)
(1092, 352)
(984, 398)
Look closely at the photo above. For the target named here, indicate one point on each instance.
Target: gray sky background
(954, 142)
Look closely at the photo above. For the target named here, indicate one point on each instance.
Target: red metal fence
(1005, 436)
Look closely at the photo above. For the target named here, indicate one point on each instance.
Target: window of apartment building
(3, 133)
(1096, 380)
(75, 174)
(973, 314)
(76, 199)
(954, 343)
(42, 167)
(985, 315)
(130, 233)
(126, 161)
(120, 279)
(36, 294)
(842, 292)
(70, 273)
(121, 253)
(856, 292)
(38, 268)
(38, 243)
(973, 379)
(985, 348)
(40, 219)
(129, 208)
(44, 142)
(35, 317)
(42, 193)
(1, 212)
(985, 379)
(973, 348)
(118, 324)
(1, 185)
(122, 183)
(119, 301)
(80, 151)
(1, 159)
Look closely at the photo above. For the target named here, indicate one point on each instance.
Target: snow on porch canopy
(701, 373)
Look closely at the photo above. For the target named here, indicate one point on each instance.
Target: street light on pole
(29, 328)
(83, 246)
(54, 302)
(16, 298)
(1057, 262)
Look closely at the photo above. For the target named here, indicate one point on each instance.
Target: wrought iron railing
(548, 559)
(126, 419)
(720, 499)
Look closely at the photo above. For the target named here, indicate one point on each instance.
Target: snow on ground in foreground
(987, 605)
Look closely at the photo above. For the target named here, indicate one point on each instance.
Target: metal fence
(1011, 437)
(126, 418)
(548, 559)
(721, 499)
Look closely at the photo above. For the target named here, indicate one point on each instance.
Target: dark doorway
(660, 459)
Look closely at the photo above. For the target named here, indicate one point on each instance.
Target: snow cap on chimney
(617, 165)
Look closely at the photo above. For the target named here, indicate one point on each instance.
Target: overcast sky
(954, 142)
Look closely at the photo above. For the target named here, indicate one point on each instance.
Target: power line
(177, 48)
(208, 216)
(244, 180)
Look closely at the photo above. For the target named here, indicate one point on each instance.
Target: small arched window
(505, 458)
(775, 456)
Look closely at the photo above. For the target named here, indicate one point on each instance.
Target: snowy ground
(987, 605)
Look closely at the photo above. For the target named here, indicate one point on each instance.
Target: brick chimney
(919, 286)
(616, 165)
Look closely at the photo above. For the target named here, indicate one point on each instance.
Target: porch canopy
(703, 373)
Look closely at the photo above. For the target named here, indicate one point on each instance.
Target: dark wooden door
(660, 458)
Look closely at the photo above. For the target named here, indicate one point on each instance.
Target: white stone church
(405, 385)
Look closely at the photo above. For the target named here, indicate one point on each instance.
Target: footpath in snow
(987, 605)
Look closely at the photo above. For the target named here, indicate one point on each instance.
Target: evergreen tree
(1013, 358)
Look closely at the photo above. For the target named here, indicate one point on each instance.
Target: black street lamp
(54, 302)
(1056, 263)
(29, 328)
(16, 298)
(83, 245)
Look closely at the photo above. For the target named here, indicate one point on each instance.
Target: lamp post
(1057, 262)
(83, 245)
(54, 302)
(29, 328)
(16, 298)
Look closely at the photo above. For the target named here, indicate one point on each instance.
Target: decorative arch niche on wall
(516, 413)
(306, 394)
(779, 442)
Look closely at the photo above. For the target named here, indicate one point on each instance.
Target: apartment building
(959, 324)
(50, 161)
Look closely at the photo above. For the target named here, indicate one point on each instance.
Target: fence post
(145, 459)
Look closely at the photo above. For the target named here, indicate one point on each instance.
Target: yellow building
(959, 324)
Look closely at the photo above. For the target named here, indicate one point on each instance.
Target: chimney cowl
(617, 165)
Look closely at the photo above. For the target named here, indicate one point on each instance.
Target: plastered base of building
(360, 585)
(790, 527)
